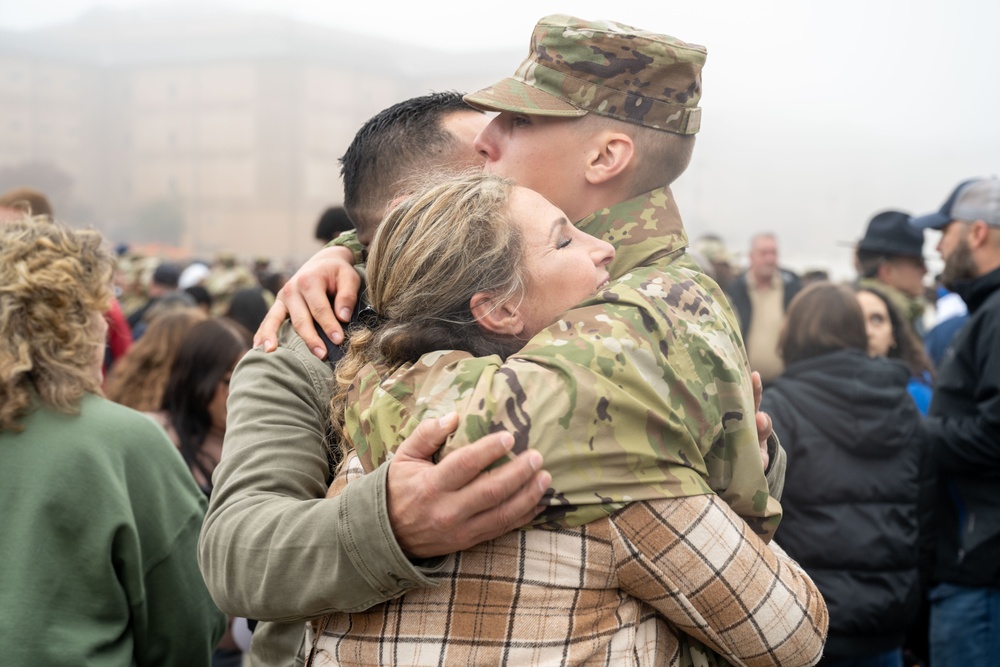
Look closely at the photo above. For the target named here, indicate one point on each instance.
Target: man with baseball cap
(964, 424)
(600, 119)
(890, 258)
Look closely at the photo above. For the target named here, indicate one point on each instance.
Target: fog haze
(815, 115)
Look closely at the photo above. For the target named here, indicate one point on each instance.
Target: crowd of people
(507, 415)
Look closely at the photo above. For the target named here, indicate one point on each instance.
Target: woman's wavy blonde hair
(432, 252)
(54, 282)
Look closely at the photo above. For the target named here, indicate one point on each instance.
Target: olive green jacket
(272, 548)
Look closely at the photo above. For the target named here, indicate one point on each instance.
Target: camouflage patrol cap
(576, 66)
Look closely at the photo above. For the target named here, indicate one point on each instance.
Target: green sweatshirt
(98, 561)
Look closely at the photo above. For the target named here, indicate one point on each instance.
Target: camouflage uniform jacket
(640, 393)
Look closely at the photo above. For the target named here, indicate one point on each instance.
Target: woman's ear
(612, 154)
(502, 318)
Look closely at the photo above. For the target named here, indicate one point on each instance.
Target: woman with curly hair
(100, 519)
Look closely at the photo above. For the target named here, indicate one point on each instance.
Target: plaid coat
(648, 585)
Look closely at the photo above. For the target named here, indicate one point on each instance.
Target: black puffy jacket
(858, 493)
(964, 425)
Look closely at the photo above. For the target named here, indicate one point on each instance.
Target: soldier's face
(563, 265)
(465, 126)
(537, 152)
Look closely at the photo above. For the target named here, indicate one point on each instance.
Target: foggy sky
(816, 115)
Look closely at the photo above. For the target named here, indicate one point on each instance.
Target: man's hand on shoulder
(444, 508)
(305, 298)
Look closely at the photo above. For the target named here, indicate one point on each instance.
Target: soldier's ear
(500, 317)
(611, 154)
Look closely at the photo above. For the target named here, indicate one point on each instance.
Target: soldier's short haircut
(661, 156)
(392, 147)
(822, 318)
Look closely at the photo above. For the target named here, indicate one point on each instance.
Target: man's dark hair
(393, 146)
(333, 221)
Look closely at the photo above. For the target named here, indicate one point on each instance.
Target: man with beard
(964, 426)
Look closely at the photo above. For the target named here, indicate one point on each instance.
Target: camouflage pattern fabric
(349, 240)
(575, 67)
(641, 393)
(227, 277)
(130, 274)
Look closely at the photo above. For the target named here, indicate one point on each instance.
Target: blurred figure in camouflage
(715, 259)
(600, 117)
(227, 277)
(130, 283)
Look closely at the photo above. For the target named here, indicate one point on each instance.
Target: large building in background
(204, 129)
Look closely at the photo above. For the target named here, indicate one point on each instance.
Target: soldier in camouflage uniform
(639, 394)
(643, 392)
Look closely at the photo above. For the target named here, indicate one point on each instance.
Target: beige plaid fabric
(645, 586)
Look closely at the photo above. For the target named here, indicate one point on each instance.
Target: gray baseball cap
(979, 201)
(971, 200)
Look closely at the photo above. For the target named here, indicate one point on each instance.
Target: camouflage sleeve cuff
(349, 240)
